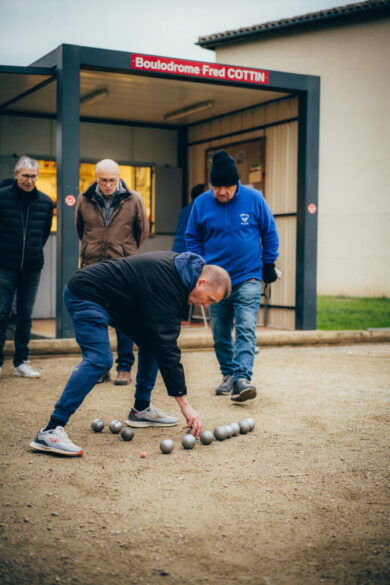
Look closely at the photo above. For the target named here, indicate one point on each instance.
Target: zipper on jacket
(24, 231)
(116, 211)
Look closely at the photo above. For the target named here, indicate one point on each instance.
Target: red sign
(70, 200)
(312, 208)
(198, 69)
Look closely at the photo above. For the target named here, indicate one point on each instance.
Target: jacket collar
(90, 192)
(27, 195)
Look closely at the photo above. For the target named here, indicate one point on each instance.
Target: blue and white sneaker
(56, 441)
(150, 417)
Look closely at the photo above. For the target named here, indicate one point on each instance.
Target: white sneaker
(56, 441)
(26, 371)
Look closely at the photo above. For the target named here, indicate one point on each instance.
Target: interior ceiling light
(194, 109)
(95, 96)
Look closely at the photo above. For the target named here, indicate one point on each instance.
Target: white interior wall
(354, 173)
(36, 137)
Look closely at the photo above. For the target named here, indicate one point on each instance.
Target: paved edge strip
(192, 340)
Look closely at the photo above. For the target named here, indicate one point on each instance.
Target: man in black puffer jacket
(25, 221)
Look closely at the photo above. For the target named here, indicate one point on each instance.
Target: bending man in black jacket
(148, 295)
(25, 221)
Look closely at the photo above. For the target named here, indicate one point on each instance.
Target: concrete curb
(193, 340)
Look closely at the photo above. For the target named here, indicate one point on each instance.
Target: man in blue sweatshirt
(233, 227)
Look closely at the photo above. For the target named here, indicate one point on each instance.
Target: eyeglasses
(106, 181)
(33, 177)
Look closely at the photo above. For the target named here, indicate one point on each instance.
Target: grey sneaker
(225, 386)
(243, 390)
(24, 370)
(55, 441)
(150, 417)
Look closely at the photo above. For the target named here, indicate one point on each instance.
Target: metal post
(68, 160)
(308, 143)
(182, 159)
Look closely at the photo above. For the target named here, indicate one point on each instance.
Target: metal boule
(188, 441)
(220, 433)
(206, 437)
(251, 423)
(244, 427)
(97, 425)
(236, 428)
(166, 445)
(115, 426)
(229, 431)
(127, 433)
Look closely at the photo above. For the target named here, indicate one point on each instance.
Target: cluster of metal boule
(127, 433)
(206, 437)
(188, 441)
(233, 429)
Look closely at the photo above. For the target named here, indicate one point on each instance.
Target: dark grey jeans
(25, 284)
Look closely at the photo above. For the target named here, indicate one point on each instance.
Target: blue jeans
(241, 307)
(90, 322)
(125, 358)
(25, 284)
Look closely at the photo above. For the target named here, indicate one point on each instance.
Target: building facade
(349, 48)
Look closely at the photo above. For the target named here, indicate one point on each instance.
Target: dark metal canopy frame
(64, 65)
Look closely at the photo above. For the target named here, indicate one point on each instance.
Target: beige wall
(354, 193)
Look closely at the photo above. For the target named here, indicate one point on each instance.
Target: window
(136, 177)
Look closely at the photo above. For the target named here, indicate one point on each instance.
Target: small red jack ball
(143, 454)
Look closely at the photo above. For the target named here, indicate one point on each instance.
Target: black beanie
(223, 171)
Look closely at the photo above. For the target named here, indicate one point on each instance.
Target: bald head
(218, 278)
(212, 286)
(107, 164)
(107, 175)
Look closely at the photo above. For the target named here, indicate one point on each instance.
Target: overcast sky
(31, 28)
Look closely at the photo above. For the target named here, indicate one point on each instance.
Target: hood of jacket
(189, 266)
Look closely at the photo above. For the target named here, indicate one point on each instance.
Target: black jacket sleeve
(161, 334)
(162, 310)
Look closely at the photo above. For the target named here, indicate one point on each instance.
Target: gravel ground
(303, 499)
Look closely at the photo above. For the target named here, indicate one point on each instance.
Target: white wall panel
(155, 145)
(281, 167)
(45, 303)
(37, 138)
(98, 141)
(31, 136)
(283, 290)
(277, 318)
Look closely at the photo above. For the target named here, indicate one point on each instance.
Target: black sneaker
(243, 390)
(105, 378)
(225, 386)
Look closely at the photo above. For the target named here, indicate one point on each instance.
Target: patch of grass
(342, 313)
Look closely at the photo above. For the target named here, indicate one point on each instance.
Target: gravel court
(301, 499)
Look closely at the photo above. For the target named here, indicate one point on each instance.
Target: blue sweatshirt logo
(244, 218)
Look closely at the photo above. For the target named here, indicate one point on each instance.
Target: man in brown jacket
(111, 222)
